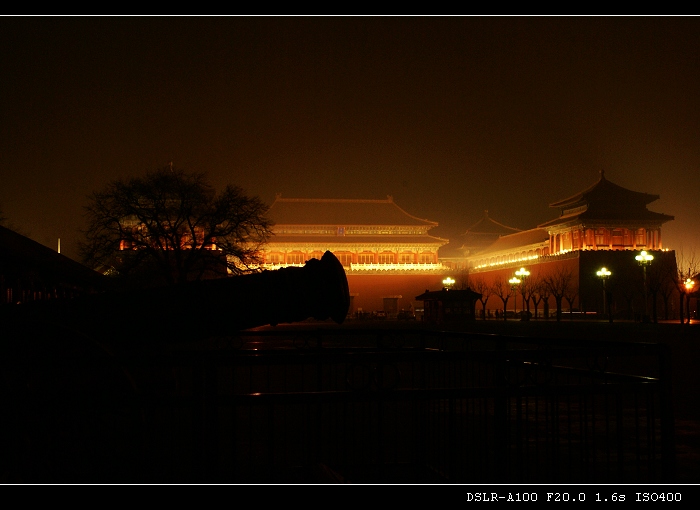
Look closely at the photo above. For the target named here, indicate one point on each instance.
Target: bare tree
(503, 290)
(480, 286)
(570, 295)
(688, 265)
(529, 288)
(559, 283)
(538, 292)
(171, 226)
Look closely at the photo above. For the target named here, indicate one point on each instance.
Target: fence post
(500, 412)
(668, 441)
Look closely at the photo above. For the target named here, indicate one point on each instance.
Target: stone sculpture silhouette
(72, 411)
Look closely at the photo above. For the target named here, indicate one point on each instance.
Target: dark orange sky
(450, 115)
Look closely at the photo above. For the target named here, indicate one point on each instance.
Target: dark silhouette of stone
(201, 309)
(73, 414)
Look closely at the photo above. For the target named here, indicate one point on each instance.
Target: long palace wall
(368, 291)
(626, 285)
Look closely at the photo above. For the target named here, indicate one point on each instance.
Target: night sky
(450, 115)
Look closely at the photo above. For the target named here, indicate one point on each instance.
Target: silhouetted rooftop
(22, 255)
(489, 226)
(606, 201)
(520, 239)
(353, 239)
(341, 212)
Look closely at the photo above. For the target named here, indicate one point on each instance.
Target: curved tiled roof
(487, 225)
(610, 212)
(341, 212)
(518, 240)
(356, 239)
(605, 201)
(20, 255)
(604, 191)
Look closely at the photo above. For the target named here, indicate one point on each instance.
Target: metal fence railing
(358, 406)
(374, 406)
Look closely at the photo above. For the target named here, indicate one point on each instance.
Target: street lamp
(604, 274)
(448, 282)
(689, 284)
(514, 282)
(522, 273)
(644, 259)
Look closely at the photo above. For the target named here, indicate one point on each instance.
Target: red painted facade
(388, 254)
(605, 225)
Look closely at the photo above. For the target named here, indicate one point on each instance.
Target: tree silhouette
(687, 264)
(171, 226)
(479, 285)
(570, 295)
(502, 289)
(559, 284)
(529, 288)
(539, 292)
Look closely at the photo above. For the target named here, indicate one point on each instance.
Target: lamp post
(644, 259)
(522, 274)
(514, 282)
(604, 274)
(448, 282)
(689, 284)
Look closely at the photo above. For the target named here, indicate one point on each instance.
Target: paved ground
(684, 341)
(685, 353)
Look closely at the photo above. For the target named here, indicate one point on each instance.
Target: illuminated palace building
(390, 257)
(605, 225)
(388, 254)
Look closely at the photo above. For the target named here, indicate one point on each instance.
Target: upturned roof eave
(522, 240)
(489, 252)
(351, 239)
(587, 219)
(29, 253)
(345, 203)
(602, 186)
(486, 219)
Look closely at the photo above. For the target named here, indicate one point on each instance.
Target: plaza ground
(684, 341)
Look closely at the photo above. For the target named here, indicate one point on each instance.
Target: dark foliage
(171, 226)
